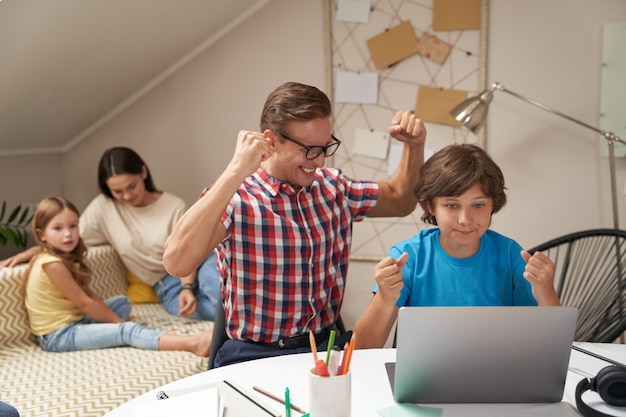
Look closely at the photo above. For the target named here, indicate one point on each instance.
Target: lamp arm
(609, 136)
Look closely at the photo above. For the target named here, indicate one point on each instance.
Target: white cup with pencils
(330, 381)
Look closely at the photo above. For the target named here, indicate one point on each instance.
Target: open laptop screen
(483, 354)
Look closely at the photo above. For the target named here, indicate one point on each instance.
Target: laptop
(482, 354)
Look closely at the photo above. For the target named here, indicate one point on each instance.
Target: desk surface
(370, 386)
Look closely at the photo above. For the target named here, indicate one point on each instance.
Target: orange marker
(346, 366)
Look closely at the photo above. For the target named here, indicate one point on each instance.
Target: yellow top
(48, 309)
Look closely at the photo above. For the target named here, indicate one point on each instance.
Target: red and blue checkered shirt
(285, 256)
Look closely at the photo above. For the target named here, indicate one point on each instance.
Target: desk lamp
(473, 111)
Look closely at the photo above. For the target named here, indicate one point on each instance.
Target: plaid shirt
(285, 256)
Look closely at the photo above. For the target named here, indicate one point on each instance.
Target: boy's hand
(388, 275)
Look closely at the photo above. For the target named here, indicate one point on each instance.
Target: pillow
(140, 292)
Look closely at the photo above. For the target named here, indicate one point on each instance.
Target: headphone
(609, 383)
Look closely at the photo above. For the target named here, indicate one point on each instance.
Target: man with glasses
(282, 224)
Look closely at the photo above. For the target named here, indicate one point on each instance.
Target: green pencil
(287, 403)
(331, 342)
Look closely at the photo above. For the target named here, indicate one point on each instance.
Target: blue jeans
(89, 334)
(7, 410)
(236, 351)
(206, 290)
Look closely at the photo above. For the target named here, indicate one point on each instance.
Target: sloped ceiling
(66, 66)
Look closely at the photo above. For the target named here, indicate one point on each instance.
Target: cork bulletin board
(390, 55)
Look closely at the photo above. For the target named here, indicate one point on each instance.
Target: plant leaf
(23, 238)
(15, 231)
(14, 213)
(24, 215)
(12, 236)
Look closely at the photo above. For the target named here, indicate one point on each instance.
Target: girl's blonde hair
(75, 260)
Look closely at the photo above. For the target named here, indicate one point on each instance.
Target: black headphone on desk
(609, 383)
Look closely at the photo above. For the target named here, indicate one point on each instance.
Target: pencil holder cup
(330, 396)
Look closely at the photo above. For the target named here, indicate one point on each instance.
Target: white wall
(548, 50)
(186, 128)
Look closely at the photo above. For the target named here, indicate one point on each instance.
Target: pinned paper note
(433, 48)
(371, 143)
(354, 10)
(456, 14)
(393, 45)
(434, 104)
(395, 153)
(356, 87)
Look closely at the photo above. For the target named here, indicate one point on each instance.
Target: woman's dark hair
(46, 210)
(121, 160)
(455, 169)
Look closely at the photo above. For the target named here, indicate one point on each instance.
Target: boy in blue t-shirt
(461, 262)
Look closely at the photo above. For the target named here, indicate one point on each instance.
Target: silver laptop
(482, 354)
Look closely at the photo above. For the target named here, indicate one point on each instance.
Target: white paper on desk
(205, 403)
(371, 143)
(395, 153)
(356, 87)
(354, 11)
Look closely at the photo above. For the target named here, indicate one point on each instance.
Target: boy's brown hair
(455, 169)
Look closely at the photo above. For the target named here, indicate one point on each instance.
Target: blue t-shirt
(491, 277)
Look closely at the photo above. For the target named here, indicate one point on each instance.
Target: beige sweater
(136, 233)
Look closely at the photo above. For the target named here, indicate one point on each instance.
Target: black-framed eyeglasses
(313, 152)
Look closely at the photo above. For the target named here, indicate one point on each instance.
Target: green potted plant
(15, 225)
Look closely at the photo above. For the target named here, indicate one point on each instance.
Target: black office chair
(220, 336)
(219, 331)
(591, 275)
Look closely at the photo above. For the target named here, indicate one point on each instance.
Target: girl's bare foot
(202, 343)
(198, 344)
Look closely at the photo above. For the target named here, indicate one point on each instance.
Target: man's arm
(396, 197)
(200, 229)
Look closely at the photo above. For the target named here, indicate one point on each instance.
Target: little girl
(64, 313)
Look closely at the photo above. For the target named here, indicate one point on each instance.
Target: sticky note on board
(395, 155)
(371, 143)
(434, 104)
(356, 87)
(456, 14)
(433, 48)
(393, 45)
(354, 11)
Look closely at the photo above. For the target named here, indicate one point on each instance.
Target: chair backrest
(219, 330)
(591, 275)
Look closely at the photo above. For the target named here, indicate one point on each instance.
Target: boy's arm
(539, 272)
(376, 322)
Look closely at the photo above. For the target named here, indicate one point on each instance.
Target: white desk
(370, 386)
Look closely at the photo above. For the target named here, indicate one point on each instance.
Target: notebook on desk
(482, 354)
